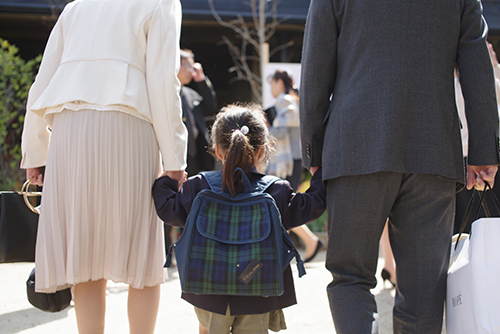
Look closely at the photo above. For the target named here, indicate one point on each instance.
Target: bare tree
(254, 35)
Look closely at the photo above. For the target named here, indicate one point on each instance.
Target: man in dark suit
(378, 113)
(197, 103)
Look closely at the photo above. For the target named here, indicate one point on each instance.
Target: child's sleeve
(305, 207)
(168, 201)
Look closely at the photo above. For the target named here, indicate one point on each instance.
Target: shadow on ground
(17, 321)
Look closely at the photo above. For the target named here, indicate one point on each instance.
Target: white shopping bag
(473, 288)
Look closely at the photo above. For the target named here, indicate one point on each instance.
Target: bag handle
(24, 191)
(484, 205)
(496, 202)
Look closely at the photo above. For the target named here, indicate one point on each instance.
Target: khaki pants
(241, 324)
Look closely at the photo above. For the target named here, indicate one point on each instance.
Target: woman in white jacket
(107, 90)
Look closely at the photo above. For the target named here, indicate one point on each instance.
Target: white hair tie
(244, 129)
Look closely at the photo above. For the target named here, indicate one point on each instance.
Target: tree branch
(242, 31)
(255, 36)
(281, 47)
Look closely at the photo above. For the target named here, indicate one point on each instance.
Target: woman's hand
(35, 174)
(179, 175)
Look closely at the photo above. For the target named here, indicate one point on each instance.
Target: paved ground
(310, 315)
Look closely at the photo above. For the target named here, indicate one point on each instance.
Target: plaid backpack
(234, 245)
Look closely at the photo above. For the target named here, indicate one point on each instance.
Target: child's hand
(179, 175)
(313, 170)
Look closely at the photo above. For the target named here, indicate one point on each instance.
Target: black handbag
(48, 302)
(18, 226)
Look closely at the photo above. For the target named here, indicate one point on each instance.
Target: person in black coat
(198, 102)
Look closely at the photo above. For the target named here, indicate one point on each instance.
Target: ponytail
(239, 154)
(240, 131)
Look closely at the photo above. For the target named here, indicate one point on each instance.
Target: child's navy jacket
(296, 209)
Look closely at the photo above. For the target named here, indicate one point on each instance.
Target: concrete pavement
(310, 315)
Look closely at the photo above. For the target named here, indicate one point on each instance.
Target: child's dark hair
(240, 131)
(287, 79)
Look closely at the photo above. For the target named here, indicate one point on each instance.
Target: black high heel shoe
(319, 246)
(387, 277)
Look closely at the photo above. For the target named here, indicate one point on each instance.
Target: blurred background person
(285, 128)
(198, 102)
(287, 164)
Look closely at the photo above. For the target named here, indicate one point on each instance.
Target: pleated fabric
(97, 217)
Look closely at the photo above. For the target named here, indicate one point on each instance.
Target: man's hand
(35, 174)
(477, 175)
(198, 74)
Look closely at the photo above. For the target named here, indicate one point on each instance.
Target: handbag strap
(484, 205)
(26, 193)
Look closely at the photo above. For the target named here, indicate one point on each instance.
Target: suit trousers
(421, 210)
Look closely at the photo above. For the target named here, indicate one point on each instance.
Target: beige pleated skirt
(97, 217)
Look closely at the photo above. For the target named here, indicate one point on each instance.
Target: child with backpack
(242, 141)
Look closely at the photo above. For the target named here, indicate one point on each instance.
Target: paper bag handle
(485, 207)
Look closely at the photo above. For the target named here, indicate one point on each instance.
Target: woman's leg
(90, 306)
(310, 239)
(385, 246)
(143, 309)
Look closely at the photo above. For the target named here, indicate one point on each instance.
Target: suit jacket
(202, 100)
(112, 52)
(377, 87)
(461, 111)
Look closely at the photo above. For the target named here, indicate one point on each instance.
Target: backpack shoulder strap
(214, 180)
(264, 182)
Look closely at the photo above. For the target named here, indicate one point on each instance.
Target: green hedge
(16, 76)
(320, 224)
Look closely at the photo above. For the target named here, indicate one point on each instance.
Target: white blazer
(111, 52)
